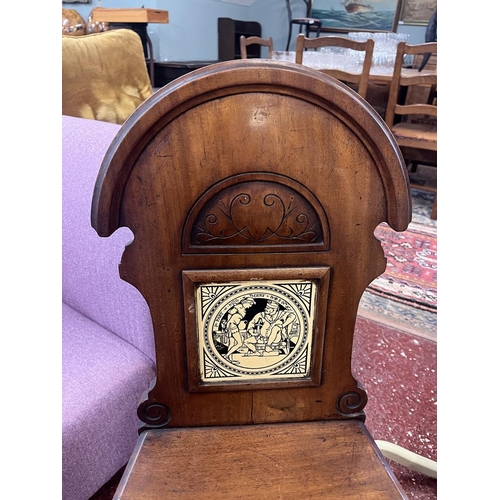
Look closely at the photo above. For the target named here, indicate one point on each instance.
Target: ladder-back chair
(411, 110)
(251, 40)
(360, 80)
(253, 189)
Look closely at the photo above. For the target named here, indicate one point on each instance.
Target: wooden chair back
(223, 193)
(403, 78)
(253, 190)
(360, 79)
(430, 65)
(411, 110)
(250, 40)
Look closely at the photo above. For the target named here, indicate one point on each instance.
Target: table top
(385, 77)
(329, 63)
(143, 15)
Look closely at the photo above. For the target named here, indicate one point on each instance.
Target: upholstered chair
(104, 75)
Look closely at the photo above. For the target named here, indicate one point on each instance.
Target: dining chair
(252, 256)
(255, 40)
(412, 116)
(306, 22)
(360, 80)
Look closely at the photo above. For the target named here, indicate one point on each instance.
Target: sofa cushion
(103, 380)
(104, 75)
(90, 277)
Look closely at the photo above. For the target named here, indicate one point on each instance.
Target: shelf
(100, 14)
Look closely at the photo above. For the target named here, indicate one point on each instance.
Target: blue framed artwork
(357, 15)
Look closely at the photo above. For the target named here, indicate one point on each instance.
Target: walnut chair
(253, 189)
(358, 79)
(251, 40)
(306, 22)
(411, 111)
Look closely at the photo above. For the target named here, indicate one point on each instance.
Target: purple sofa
(107, 342)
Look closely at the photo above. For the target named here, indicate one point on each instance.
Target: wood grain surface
(324, 460)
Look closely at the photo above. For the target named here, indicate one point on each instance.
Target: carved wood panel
(262, 211)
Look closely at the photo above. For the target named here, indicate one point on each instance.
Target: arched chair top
(241, 77)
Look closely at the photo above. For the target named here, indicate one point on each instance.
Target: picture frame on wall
(357, 15)
(417, 12)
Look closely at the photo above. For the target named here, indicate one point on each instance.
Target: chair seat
(268, 461)
(416, 135)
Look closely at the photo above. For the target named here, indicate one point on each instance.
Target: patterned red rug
(405, 296)
(411, 273)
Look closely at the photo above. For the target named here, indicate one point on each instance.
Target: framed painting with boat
(357, 15)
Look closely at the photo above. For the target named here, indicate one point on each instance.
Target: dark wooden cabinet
(230, 31)
(168, 71)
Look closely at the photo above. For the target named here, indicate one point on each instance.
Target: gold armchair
(104, 75)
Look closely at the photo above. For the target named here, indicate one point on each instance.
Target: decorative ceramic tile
(255, 330)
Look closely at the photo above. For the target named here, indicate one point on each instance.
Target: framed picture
(417, 12)
(357, 15)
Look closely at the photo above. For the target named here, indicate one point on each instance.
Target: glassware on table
(331, 58)
(335, 57)
(283, 55)
(384, 51)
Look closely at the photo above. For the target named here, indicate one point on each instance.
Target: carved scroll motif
(351, 403)
(257, 213)
(154, 415)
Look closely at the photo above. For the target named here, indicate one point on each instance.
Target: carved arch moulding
(257, 211)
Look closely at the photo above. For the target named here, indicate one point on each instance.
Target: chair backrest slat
(411, 77)
(251, 40)
(361, 79)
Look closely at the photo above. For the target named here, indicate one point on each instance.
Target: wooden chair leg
(434, 208)
(412, 166)
(289, 36)
(151, 61)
